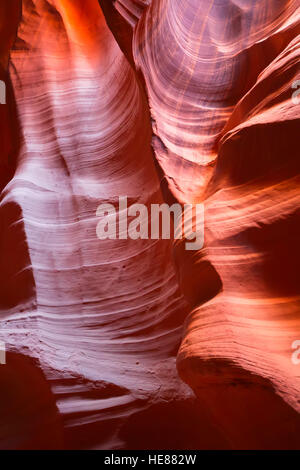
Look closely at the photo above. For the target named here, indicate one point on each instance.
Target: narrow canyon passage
(112, 339)
(103, 320)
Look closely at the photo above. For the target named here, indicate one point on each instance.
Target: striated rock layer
(157, 101)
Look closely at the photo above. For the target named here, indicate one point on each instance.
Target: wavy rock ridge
(158, 101)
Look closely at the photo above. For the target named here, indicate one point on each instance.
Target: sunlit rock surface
(157, 101)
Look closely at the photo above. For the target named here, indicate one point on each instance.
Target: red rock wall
(159, 101)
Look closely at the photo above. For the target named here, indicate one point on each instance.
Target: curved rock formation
(240, 343)
(158, 100)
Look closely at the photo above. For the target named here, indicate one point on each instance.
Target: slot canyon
(141, 344)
